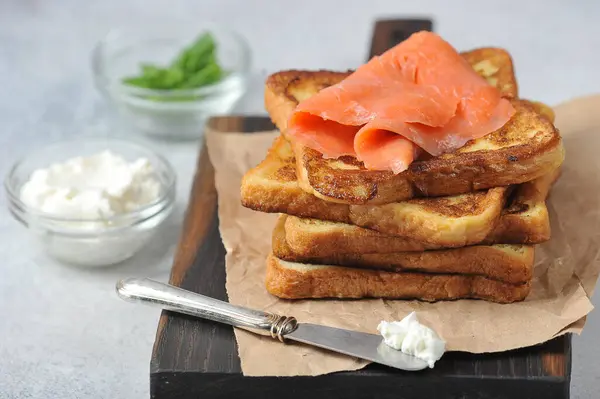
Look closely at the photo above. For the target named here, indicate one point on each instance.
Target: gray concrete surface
(63, 333)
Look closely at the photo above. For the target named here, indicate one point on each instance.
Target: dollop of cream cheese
(94, 187)
(413, 338)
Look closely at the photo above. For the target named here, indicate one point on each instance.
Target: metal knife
(352, 343)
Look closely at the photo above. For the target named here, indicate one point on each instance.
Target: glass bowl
(91, 242)
(162, 112)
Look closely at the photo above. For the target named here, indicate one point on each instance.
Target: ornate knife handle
(182, 301)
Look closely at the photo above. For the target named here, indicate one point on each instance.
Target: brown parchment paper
(566, 270)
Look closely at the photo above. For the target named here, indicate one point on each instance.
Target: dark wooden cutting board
(193, 358)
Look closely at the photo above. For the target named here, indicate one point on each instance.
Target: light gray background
(63, 333)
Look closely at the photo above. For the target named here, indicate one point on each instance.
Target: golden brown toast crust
(345, 180)
(297, 281)
(284, 89)
(509, 263)
(446, 221)
(315, 238)
(339, 238)
(272, 187)
(524, 221)
(466, 170)
(512, 224)
(496, 66)
(543, 109)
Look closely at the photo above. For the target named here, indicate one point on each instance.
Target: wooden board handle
(387, 33)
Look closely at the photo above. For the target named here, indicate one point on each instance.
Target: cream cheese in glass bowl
(91, 201)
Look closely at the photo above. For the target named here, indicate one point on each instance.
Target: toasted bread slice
(291, 280)
(496, 66)
(509, 263)
(525, 220)
(272, 187)
(542, 109)
(312, 238)
(527, 147)
(464, 215)
(453, 221)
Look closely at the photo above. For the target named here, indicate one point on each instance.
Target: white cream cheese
(94, 187)
(413, 338)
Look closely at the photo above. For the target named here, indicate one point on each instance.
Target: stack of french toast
(461, 225)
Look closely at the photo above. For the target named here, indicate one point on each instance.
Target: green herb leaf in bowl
(196, 56)
(196, 66)
(210, 74)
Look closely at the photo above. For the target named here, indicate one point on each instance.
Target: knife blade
(356, 344)
(352, 343)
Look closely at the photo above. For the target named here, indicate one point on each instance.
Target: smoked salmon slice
(421, 94)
